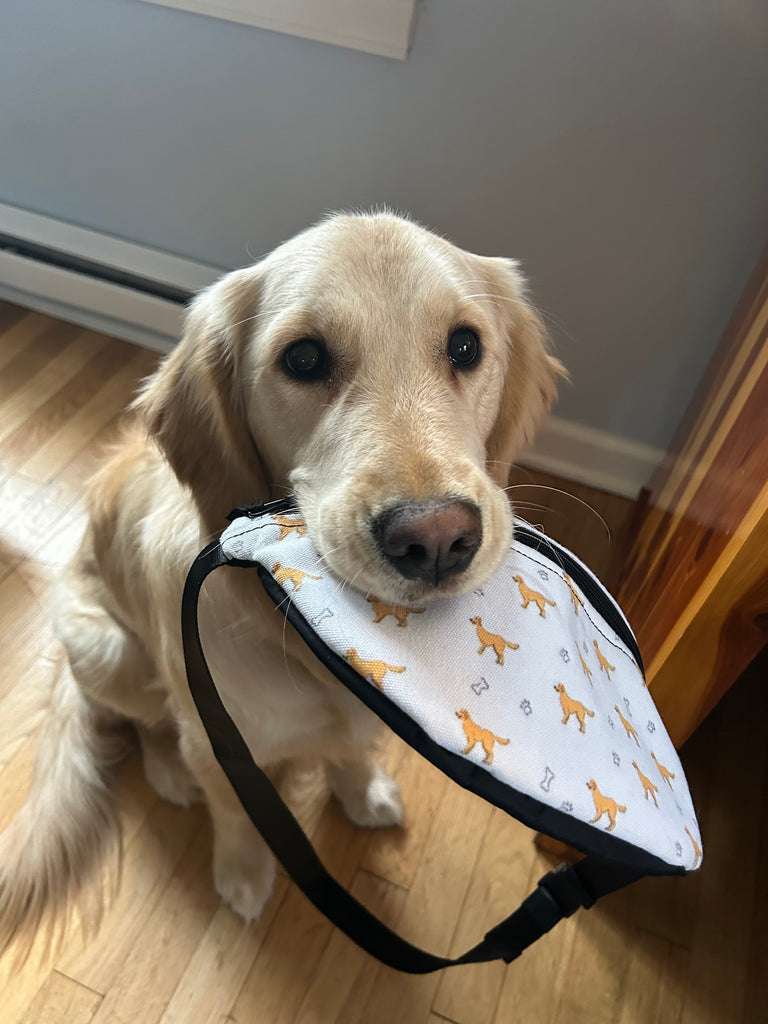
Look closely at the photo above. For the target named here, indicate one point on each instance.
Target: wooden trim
(696, 582)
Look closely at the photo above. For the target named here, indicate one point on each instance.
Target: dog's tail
(396, 668)
(590, 713)
(621, 807)
(501, 740)
(53, 853)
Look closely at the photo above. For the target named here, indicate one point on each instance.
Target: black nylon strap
(558, 894)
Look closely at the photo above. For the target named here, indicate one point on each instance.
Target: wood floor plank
(37, 429)
(533, 983)
(431, 909)
(61, 999)
(720, 953)
(73, 348)
(215, 974)
(164, 945)
(16, 362)
(645, 999)
(287, 963)
(89, 416)
(594, 981)
(149, 864)
(499, 884)
(345, 973)
(396, 855)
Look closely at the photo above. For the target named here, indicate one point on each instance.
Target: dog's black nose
(430, 540)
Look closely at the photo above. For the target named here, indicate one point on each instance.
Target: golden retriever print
(605, 665)
(528, 595)
(400, 612)
(289, 525)
(587, 669)
(665, 773)
(498, 643)
(373, 670)
(696, 848)
(648, 786)
(572, 707)
(284, 575)
(604, 805)
(629, 728)
(476, 734)
(577, 601)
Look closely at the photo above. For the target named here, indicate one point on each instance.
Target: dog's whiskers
(559, 490)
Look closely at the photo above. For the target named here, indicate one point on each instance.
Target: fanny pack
(529, 691)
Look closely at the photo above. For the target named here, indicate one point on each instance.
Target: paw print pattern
(616, 759)
(610, 721)
(543, 575)
(565, 655)
(567, 806)
(651, 726)
(525, 707)
(678, 849)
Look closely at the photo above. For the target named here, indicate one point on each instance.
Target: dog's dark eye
(306, 359)
(463, 347)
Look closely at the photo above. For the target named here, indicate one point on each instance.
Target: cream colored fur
(221, 424)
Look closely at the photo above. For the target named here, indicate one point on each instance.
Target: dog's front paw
(375, 803)
(245, 888)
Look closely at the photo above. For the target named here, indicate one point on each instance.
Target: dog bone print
(548, 779)
(326, 613)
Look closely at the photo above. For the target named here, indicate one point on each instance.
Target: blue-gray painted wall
(618, 147)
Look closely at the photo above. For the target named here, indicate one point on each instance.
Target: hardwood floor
(667, 951)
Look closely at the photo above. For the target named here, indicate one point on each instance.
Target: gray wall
(619, 147)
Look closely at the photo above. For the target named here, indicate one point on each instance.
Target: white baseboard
(564, 448)
(594, 457)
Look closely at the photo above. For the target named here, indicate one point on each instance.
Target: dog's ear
(194, 407)
(532, 373)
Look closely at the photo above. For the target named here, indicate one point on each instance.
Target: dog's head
(384, 376)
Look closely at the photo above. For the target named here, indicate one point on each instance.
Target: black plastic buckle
(567, 889)
(261, 508)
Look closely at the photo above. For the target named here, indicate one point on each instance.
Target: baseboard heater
(101, 282)
(45, 254)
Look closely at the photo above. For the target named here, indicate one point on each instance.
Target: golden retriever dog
(384, 378)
